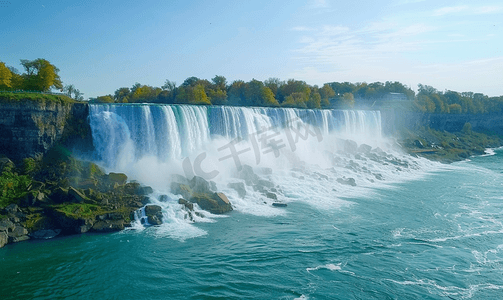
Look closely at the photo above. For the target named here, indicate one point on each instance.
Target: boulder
(348, 181)
(188, 205)
(364, 148)
(119, 178)
(199, 185)
(181, 189)
(12, 209)
(4, 239)
(265, 183)
(350, 146)
(238, 187)
(6, 225)
(180, 179)
(144, 190)
(108, 226)
(216, 203)
(154, 214)
(271, 196)
(246, 173)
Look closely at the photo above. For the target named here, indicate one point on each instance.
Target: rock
(181, 189)
(247, 174)
(4, 239)
(200, 185)
(131, 187)
(164, 198)
(33, 198)
(378, 176)
(266, 171)
(348, 181)
(216, 203)
(418, 144)
(188, 205)
(271, 196)
(76, 196)
(278, 204)
(238, 187)
(18, 239)
(59, 195)
(144, 190)
(12, 209)
(259, 188)
(180, 179)
(350, 146)
(18, 231)
(213, 186)
(108, 226)
(36, 186)
(154, 214)
(364, 148)
(119, 178)
(265, 183)
(154, 220)
(45, 234)
(6, 225)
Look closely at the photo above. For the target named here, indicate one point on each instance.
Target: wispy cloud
(302, 28)
(465, 9)
(319, 4)
(450, 10)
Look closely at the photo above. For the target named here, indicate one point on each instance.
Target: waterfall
(123, 134)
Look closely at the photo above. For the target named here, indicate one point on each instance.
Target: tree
(40, 75)
(348, 100)
(169, 86)
(5, 77)
(122, 95)
(220, 82)
(326, 92)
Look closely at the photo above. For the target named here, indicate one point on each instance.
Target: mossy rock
(119, 178)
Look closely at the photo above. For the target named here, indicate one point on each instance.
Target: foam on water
(312, 154)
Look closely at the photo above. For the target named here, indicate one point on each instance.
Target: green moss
(80, 210)
(12, 187)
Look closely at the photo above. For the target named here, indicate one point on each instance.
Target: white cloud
(450, 10)
(319, 4)
(465, 9)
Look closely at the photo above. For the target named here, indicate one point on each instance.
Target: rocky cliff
(29, 128)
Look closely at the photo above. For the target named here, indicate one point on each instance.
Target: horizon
(100, 47)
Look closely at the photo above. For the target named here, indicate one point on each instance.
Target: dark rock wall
(29, 128)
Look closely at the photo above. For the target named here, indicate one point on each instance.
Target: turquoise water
(437, 237)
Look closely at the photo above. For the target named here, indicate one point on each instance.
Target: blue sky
(100, 46)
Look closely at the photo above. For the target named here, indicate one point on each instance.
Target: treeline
(271, 92)
(430, 100)
(39, 76)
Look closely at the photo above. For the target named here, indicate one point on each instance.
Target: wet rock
(12, 209)
(247, 174)
(216, 203)
(108, 226)
(119, 178)
(278, 204)
(378, 176)
(180, 179)
(17, 233)
(213, 186)
(265, 183)
(45, 234)
(154, 214)
(164, 198)
(350, 146)
(348, 181)
(271, 196)
(238, 187)
(200, 185)
(181, 189)
(144, 190)
(364, 148)
(188, 205)
(18, 239)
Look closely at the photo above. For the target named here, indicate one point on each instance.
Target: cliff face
(394, 120)
(29, 128)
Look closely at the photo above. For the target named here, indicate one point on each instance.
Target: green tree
(40, 75)
(326, 92)
(5, 77)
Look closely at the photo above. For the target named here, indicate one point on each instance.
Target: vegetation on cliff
(446, 146)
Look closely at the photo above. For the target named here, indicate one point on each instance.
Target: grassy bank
(10, 97)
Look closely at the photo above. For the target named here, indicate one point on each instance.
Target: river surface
(438, 236)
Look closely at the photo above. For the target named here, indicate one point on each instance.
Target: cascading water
(316, 155)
